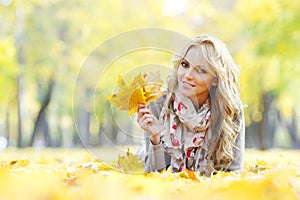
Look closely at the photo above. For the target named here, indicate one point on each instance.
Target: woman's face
(194, 81)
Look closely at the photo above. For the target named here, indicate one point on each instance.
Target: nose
(189, 73)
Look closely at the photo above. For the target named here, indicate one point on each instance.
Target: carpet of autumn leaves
(75, 174)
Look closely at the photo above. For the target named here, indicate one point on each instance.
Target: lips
(187, 84)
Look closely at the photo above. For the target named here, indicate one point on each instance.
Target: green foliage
(8, 70)
(270, 55)
(59, 35)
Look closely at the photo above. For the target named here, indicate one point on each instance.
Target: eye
(184, 64)
(201, 70)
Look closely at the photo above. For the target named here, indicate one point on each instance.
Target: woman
(199, 123)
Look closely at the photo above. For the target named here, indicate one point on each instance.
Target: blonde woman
(199, 124)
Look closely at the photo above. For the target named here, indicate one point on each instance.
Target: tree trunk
(19, 38)
(268, 122)
(41, 124)
(108, 129)
(59, 141)
(252, 136)
(84, 120)
(20, 108)
(292, 129)
(7, 124)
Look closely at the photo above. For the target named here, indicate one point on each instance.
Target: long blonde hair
(225, 99)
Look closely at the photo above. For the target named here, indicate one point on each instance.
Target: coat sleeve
(239, 150)
(156, 159)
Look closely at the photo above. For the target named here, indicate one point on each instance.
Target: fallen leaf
(192, 175)
(130, 163)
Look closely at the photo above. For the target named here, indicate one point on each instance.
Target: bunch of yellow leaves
(141, 90)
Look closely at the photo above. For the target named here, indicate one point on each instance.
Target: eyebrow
(199, 66)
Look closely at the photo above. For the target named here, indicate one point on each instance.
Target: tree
(269, 60)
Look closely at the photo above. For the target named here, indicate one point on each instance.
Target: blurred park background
(43, 45)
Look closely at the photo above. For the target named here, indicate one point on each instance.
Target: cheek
(179, 74)
(203, 82)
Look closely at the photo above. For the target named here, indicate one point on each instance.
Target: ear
(214, 82)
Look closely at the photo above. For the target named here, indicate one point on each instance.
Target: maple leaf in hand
(141, 90)
(153, 86)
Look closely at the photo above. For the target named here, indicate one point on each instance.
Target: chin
(185, 92)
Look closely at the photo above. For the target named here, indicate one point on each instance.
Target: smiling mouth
(187, 84)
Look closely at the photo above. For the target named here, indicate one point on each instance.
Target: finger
(142, 105)
(147, 116)
(142, 112)
(146, 119)
(145, 123)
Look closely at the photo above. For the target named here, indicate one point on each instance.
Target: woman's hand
(149, 123)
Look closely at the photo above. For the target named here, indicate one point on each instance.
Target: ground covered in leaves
(75, 174)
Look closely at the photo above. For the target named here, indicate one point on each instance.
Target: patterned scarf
(185, 136)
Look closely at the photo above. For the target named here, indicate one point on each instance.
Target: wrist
(155, 139)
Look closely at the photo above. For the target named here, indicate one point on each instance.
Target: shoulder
(239, 119)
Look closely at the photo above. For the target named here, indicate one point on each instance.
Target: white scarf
(185, 133)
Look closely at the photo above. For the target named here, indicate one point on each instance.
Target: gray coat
(156, 159)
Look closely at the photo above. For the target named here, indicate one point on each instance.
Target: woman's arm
(156, 158)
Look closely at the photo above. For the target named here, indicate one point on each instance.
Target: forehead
(194, 56)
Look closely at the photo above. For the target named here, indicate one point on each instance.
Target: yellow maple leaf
(130, 163)
(137, 97)
(153, 86)
(141, 90)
